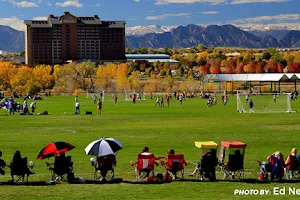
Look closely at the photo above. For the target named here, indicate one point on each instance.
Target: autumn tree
(43, 77)
(7, 70)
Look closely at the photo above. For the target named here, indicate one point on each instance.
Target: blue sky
(242, 13)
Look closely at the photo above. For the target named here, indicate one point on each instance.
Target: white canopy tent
(266, 77)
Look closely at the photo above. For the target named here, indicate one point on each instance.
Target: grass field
(142, 124)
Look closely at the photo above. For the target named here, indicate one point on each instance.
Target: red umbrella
(54, 149)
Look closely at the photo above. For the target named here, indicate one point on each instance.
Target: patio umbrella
(103, 147)
(53, 149)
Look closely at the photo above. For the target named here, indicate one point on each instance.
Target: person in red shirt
(115, 99)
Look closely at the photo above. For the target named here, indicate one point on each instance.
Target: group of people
(13, 106)
(211, 101)
(277, 167)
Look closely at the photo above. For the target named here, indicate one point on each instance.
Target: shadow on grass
(115, 181)
(119, 180)
(36, 183)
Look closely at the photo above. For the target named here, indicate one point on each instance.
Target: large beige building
(62, 38)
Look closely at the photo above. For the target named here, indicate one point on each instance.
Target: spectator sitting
(2, 165)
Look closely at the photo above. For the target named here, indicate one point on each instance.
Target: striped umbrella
(103, 147)
(54, 149)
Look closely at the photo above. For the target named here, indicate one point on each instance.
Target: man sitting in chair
(18, 166)
(105, 164)
(62, 166)
(207, 164)
(235, 161)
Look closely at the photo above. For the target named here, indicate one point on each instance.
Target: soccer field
(139, 125)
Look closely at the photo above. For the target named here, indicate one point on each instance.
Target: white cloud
(136, 0)
(160, 17)
(277, 18)
(256, 1)
(165, 2)
(210, 12)
(97, 5)
(69, 3)
(25, 4)
(271, 26)
(40, 18)
(13, 22)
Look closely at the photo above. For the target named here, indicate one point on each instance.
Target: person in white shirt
(77, 107)
(247, 98)
(25, 107)
(157, 101)
(33, 106)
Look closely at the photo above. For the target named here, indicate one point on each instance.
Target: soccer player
(157, 102)
(251, 105)
(77, 107)
(115, 99)
(95, 99)
(247, 98)
(274, 98)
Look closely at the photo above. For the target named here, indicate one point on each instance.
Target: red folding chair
(175, 164)
(144, 166)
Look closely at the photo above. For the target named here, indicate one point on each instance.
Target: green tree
(266, 55)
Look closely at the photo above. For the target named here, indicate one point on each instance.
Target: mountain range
(182, 36)
(213, 35)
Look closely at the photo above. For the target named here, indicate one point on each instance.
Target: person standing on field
(95, 99)
(168, 100)
(251, 105)
(77, 107)
(33, 106)
(157, 101)
(99, 106)
(115, 99)
(274, 98)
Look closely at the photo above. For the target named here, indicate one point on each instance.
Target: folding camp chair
(144, 166)
(20, 170)
(206, 168)
(295, 170)
(104, 168)
(62, 168)
(234, 168)
(175, 163)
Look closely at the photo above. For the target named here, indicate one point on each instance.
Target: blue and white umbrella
(103, 147)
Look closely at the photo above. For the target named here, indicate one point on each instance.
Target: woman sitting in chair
(292, 163)
(145, 152)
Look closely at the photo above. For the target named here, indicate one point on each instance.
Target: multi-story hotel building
(62, 38)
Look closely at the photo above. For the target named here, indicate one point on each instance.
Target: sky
(242, 13)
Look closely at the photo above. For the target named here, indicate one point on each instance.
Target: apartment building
(63, 38)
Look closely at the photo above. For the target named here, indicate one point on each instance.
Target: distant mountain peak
(143, 30)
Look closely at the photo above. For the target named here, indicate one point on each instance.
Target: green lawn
(142, 124)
